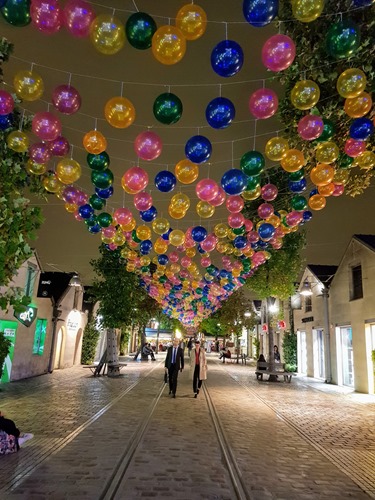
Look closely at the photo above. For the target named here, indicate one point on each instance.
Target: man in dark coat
(174, 362)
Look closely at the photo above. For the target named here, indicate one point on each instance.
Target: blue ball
(240, 242)
(148, 215)
(104, 193)
(86, 211)
(145, 247)
(163, 259)
(165, 181)
(198, 149)
(165, 236)
(307, 215)
(227, 58)
(6, 121)
(200, 249)
(297, 186)
(361, 129)
(262, 245)
(199, 234)
(266, 231)
(258, 13)
(220, 113)
(313, 192)
(363, 3)
(234, 181)
(94, 229)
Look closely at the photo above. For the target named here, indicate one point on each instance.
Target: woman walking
(198, 367)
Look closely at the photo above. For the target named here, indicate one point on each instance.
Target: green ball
(139, 29)
(239, 230)
(296, 176)
(16, 12)
(253, 182)
(167, 108)
(98, 162)
(345, 161)
(252, 163)
(145, 269)
(199, 291)
(135, 237)
(298, 202)
(92, 221)
(102, 180)
(96, 202)
(328, 131)
(104, 219)
(343, 39)
(163, 279)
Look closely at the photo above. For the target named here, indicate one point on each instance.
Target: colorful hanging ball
(263, 103)
(142, 201)
(46, 16)
(227, 58)
(165, 181)
(6, 102)
(119, 112)
(59, 146)
(139, 29)
(167, 108)
(86, 211)
(78, 16)
(269, 192)
(16, 12)
(94, 142)
(186, 171)
(198, 149)
(68, 171)
(278, 52)
(98, 162)
(46, 126)
(342, 39)
(39, 152)
(259, 13)
(148, 145)
(234, 181)
(102, 179)
(104, 219)
(305, 94)
(199, 234)
(252, 163)
(329, 130)
(220, 113)
(359, 106)
(307, 11)
(107, 34)
(28, 85)
(134, 180)
(207, 189)
(361, 129)
(104, 193)
(310, 127)
(148, 215)
(168, 45)
(351, 83)
(96, 202)
(18, 141)
(66, 99)
(192, 21)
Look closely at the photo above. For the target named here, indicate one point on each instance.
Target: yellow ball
(359, 106)
(307, 11)
(351, 83)
(119, 112)
(176, 214)
(18, 141)
(28, 85)
(130, 226)
(204, 209)
(186, 171)
(160, 225)
(191, 252)
(145, 260)
(107, 34)
(305, 94)
(51, 183)
(293, 160)
(160, 246)
(70, 207)
(180, 202)
(176, 237)
(68, 171)
(36, 168)
(94, 142)
(168, 45)
(251, 195)
(276, 148)
(327, 152)
(326, 190)
(143, 232)
(366, 160)
(221, 230)
(119, 239)
(221, 247)
(192, 21)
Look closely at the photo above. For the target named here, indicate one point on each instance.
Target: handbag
(165, 378)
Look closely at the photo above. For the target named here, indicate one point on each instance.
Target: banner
(9, 328)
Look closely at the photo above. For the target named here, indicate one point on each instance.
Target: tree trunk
(271, 357)
(112, 355)
(157, 340)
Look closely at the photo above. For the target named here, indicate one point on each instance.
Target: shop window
(40, 336)
(356, 283)
(308, 303)
(30, 280)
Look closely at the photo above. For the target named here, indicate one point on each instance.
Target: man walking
(174, 362)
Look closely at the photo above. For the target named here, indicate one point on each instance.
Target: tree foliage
(89, 342)
(5, 345)
(290, 351)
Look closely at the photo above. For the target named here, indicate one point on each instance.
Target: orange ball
(317, 202)
(94, 142)
(293, 160)
(119, 112)
(322, 174)
(327, 190)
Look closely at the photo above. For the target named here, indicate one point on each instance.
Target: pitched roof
(324, 274)
(366, 239)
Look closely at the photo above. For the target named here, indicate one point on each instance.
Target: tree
(4, 350)
(290, 351)
(89, 342)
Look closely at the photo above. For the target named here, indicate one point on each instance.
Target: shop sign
(27, 316)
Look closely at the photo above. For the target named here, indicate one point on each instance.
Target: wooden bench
(96, 369)
(264, 368)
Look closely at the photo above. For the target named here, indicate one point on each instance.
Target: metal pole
(327, 348)
(55, 317)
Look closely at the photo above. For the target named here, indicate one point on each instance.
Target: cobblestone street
(303, 440)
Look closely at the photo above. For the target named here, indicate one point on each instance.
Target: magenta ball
(339, 190)
(278, 52)
(46, 126)
(207, 189)
(234, 204)
(253, 237)
(263, 103)
(70, 194)
(294, 218)
(78, 16)
(209, 244)
(219, 198)
(142, 201)
(148, 145)
(122, 216)
(236, 220)
(82, 198)
(310, 127)
(354, 148)
(39, 152)
(66, 99)
(248, 225)
(134, 180)
(46, 16)
(6, 102)
(265, 210)
(59, 146)
(269, 192)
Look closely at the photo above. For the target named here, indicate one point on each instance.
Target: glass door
(302, 352)
(319, 368)
(347, 356)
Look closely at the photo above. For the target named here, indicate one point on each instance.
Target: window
(30, 280)
(357, 290)
(40, 336)
(308, 303)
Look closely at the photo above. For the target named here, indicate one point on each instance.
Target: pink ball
(59, 147)
(173, 257)
(219, 199)
(269, 192)
(234, 204)
(263, 103)
(248, 225)
(186, 261)
(277, 244)
(339, 190)
(278, 52)
(148, 145)
(236, 220)
(109, 232)
(39, 152)
(122, 216)
(112, 246)
(310, 127)
(78, 16)
(265, 210)
(77, 216)
(205, 261)
(258, 258)
(81, 198)
(354, 148)
(46, 16)
(134, 180)
(142, 201)
(69, 194)
(209, 244)
(66, 99)
(207, 189)
(46, 126)
(253, 237)
(293, 218)
(6, 103)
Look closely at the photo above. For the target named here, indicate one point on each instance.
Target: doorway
(318, 347)
(302, 352)
(345, 366)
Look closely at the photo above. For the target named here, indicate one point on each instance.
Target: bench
(233, 359)
(264, 368)
(95, 370)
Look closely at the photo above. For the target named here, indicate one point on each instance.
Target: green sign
(40, 336)
(9, 328)
(27, 316)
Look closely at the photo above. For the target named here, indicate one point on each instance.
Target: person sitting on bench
(261, 359)
(147, 351)
(225, 354)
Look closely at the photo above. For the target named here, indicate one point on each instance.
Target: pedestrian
(217, 344)
(10, 437)
(198, 367)
(190, 345)
(174, 362)
(276, 354)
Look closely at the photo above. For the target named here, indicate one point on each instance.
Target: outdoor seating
(277, 369)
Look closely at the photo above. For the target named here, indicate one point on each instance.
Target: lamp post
(56, 313)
